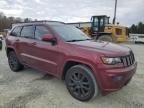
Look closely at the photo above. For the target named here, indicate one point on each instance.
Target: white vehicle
(1, 37)
(137, 38)
(140, 39)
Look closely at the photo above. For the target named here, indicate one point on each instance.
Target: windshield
(70, 33)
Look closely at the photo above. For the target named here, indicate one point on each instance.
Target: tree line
(137, 29)
(6, 23)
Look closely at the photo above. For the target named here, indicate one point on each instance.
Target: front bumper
(115, 79)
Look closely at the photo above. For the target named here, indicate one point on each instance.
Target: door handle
(34, 43)
(17, 40)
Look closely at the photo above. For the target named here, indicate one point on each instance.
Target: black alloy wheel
(81, 83)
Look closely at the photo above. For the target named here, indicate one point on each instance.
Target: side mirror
(49, 38)
(13, 34)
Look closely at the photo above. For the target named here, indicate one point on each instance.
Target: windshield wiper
(74, 40)
(88, 39)
(78, 40)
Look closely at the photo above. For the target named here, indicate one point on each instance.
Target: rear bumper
(115, 79)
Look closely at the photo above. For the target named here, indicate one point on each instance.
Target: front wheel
(81, 83)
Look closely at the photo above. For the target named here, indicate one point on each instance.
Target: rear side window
(41, 31)
(28, 32)
(16, 31)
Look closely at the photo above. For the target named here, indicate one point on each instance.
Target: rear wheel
(106, 38)
(14, 63)
(81, 83)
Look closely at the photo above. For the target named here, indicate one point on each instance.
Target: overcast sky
(129, 11)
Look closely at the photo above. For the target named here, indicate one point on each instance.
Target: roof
(99, 16)
(78, 23)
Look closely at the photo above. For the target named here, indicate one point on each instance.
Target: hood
(105, 48)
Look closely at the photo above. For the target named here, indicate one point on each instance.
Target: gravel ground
(33, 89)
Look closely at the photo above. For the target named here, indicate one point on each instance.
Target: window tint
(16, 31)
(28, 32)
(40, 31)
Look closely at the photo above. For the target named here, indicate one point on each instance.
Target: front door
(45, 55)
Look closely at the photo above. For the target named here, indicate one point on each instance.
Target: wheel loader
(100, 29)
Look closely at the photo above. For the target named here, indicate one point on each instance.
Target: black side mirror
(13, 34)
(49, 38)
(54, 41)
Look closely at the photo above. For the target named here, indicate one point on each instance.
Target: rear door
(26, 43)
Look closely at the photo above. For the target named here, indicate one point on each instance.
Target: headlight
(111, 61)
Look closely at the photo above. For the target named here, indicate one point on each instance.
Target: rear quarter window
(16, 31)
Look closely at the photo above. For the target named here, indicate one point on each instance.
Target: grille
(118, 31)
(128, 60)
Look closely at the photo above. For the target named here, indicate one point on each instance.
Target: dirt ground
(32, 89)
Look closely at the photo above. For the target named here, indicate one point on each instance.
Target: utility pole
(115, 10)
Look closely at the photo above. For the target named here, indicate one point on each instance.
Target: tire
(14, 63)
(81, 83)
(106, 38)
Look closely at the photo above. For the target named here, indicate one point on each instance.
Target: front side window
(16, 31)
(41, 31)
(28, 32)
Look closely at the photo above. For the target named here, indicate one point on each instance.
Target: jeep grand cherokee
(88, 67)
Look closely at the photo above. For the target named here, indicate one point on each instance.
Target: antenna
(115, 10)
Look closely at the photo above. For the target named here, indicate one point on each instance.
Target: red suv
(88, 67)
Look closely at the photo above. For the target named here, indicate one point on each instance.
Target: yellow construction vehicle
(99, 28)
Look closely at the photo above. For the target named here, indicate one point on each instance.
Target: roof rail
(40, 21)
